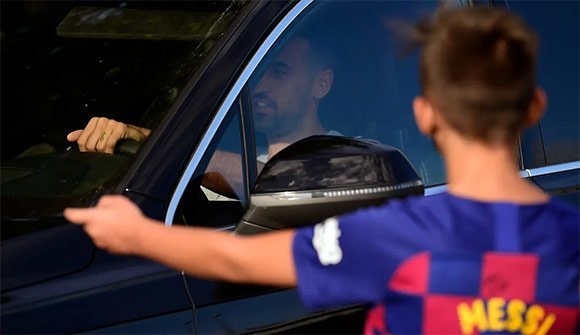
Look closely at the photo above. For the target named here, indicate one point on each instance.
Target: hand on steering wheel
(102, 134)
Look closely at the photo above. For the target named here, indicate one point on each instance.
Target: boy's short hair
(478, 66)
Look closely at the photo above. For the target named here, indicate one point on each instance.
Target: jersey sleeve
(349, 259)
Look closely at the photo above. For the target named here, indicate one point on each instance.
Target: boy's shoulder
(446, 209)
(444, 205)
(564, 214)
(563, 207)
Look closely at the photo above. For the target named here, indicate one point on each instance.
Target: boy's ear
(537, 107)
(424, 115)
(322, 83)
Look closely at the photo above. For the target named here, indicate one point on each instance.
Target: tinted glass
(216, 194)
(557, 24)
(66, 62)
(337, 71)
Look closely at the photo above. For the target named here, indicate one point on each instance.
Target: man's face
(283, 94)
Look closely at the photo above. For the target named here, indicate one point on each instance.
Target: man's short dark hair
(321, 52)
(478, 66)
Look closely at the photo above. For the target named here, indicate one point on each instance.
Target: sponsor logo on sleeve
(325, 241)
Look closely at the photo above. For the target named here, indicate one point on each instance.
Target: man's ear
(424, 115)
(537, 107)
(322, 83)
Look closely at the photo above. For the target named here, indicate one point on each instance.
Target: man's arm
(118, 226)
(224, 173)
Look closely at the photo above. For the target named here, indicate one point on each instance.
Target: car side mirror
(322, 176)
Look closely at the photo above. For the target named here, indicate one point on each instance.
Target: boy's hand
(114, 224)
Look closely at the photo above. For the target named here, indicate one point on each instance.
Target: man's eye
(278, 72)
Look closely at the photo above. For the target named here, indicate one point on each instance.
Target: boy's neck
(487, 172)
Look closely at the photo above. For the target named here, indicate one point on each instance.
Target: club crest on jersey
(325, 241)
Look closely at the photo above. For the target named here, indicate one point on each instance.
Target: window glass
(66, 62)
(216, 194)
(338, 71)
(558, 73)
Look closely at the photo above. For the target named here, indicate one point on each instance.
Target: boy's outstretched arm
(117, 225)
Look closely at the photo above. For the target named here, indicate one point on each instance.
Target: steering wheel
(128, 147)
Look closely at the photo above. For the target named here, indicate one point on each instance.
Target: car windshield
(66, 62)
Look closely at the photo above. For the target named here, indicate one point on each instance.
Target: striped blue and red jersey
(446, 264)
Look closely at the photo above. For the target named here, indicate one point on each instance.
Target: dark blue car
(187, 71)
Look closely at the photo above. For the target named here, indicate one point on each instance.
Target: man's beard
(279, 123)
(275, 126)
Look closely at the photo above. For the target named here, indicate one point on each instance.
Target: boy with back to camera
(492, 254)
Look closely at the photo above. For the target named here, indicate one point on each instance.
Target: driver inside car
(285, 101)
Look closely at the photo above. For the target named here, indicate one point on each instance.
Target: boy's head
(478, 74)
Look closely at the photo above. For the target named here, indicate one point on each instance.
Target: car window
(66, 62)
(557, 25)
(338, 71)
(216, 194)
